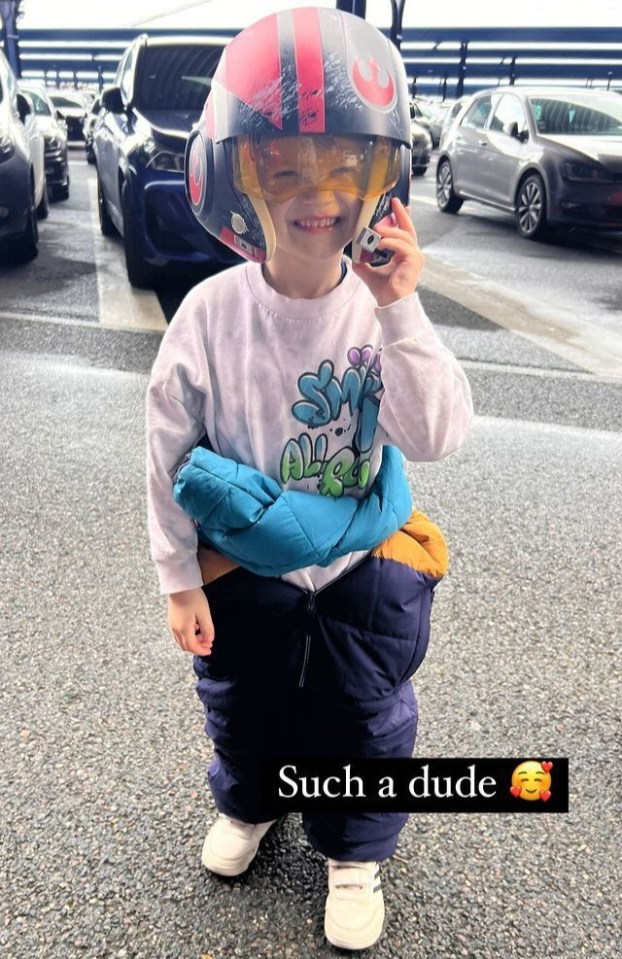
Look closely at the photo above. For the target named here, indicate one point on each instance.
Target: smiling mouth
(317, 224)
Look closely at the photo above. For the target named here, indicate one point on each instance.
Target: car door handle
(482, 143)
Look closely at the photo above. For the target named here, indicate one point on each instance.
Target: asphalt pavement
(104, 805)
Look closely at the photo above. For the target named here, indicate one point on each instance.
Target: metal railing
(443, 62)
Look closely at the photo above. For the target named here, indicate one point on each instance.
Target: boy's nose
(314, 193)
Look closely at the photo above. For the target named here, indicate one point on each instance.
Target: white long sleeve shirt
(307, 391)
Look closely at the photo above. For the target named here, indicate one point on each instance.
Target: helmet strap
(363, 222)
(266, 223)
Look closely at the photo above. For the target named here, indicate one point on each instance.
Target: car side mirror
(24, 107)
(112, 100)
(512, 131)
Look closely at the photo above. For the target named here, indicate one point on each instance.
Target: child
(303, 365)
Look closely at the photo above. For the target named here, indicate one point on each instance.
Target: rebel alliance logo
(196, 173)
(374, 84)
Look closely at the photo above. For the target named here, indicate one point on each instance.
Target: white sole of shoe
(224, 867)
(227, 867)
(364, 938)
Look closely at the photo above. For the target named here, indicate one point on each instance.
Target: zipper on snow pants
(309, 613)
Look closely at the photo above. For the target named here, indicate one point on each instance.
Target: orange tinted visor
(282, 167)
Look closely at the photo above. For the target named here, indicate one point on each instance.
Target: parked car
(89, 126)
(451, 117)
(420, 114)
(547, 155)
(54, 132)
(430, 114)
(72, 106)
(421, 143)
(23, 192)
(437, 112)
(139, 143)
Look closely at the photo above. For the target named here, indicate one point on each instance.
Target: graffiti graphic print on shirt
(345, 411)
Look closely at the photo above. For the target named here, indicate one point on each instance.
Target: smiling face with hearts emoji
(532, 780)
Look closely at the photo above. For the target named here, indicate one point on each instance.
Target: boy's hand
(401, 274)
(190, 621)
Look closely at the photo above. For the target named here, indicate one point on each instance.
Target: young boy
(303, 365)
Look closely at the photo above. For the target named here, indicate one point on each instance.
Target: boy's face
(314, 186)
(315, 224)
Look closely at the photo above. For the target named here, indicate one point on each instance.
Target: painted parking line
(120, 305)
(416, 200)
(580, 342)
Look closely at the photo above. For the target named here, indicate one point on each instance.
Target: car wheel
(105, 223)
(25, 246)
(44, 207)
(448, 201)
(61, 192)
(530, 210)
(140, 273)
(419, 170)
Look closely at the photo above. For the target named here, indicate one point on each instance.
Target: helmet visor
(280, 168)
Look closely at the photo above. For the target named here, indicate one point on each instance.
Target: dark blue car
(139, 143)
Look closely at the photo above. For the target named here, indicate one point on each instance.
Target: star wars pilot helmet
(311, 98)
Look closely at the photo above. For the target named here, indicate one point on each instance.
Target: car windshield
(41, 105)
(580, 116)
(62, 101)
(175, 77)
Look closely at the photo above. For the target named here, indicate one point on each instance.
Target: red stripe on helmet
(208, 115)
(252, 69)
(310, 71)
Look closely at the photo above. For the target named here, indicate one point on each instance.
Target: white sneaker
(354, 906)
(230, 846)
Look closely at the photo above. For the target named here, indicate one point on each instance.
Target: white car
(36, 147)
(54, 134)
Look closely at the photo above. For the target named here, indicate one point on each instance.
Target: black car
(72, 106)
(139, 144)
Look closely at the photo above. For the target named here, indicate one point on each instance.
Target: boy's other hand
(190, 621)
(399, 277)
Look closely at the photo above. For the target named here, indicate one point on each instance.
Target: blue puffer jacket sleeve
(248, 517)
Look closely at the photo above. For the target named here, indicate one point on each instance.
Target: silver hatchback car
(550, 156)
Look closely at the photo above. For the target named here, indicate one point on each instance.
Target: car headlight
(156, 157)
(7, 145)
(580, 172)
(52, 143)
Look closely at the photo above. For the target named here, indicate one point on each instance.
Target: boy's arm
(426, 407)
(178, 396)
(171, 432)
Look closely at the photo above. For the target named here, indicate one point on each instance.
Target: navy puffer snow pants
(296, 674)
